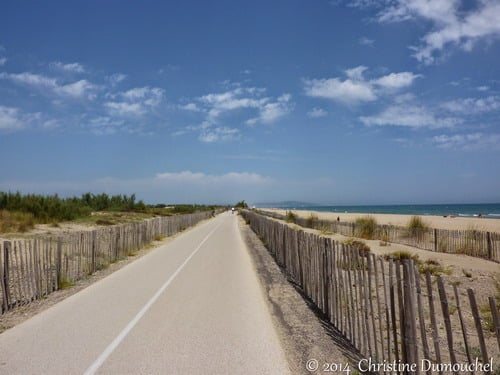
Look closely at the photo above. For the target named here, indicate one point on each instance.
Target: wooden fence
(471, 242)
(33, 268)
(386, 308)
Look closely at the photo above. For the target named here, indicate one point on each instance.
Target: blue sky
(339, 102)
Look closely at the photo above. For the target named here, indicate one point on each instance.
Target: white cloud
(216, 107)
(411, 116)
(316, 113)
(71, 67)
(13, 119)
(125, 108)
(116, 78)
(472, 141)
(271, 111)
(473, 105)
(104, 125)
(356, 73)
(31, 79)
(217, 104)
(452, 26)
(150, 96)
(364, 41)
(219, 134)
(134, 102)
(396, 80)
(3, 60)
(78, 89)
(356, 89)
(51, 124)
(10, 119)
(347, 92)
(193, 107)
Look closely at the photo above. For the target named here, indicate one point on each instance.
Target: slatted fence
(33, 268)
(471, 242)
(388, 310)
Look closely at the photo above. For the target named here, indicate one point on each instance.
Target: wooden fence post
(326, 279)
(496, 319)
(489, 244)
(435, 333)
(421, 316)
(477, 320)
(436, 240)
(5, 281)
(393, 311)
(409, 312)
(446, 317)
(462, 324)
(58, 262)
(93, 249)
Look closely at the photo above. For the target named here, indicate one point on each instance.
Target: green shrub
(312, 221)
(487, 317)
(104, 222)
(401, 255)
(366, 227)
(416, 226)
(384, 236)
(467, 273)
(324, 230)
(16, 221)
(363, 248)
(290, 217)
(433, 267)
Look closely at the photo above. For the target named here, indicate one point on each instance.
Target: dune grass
(15, 221)
(291, 217)
(417, 226)
(366, 227)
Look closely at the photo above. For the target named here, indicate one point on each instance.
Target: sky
(329, 102)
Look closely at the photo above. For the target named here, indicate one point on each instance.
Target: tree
(241, 204)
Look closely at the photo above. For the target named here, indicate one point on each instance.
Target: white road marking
(118, 339)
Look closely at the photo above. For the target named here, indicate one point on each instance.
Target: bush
(290, 217)
(52, 208)
(366, 227)
(312, 220)
(241, 204)
(401, 255)
(16, 221)
(434, 267)
(363, 248)
(416, 226)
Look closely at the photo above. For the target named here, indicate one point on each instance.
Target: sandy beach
(438, 222)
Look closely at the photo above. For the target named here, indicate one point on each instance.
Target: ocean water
(490, 211)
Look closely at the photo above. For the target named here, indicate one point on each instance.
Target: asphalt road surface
(192, 306)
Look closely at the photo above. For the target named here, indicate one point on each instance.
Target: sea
(485, 210)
